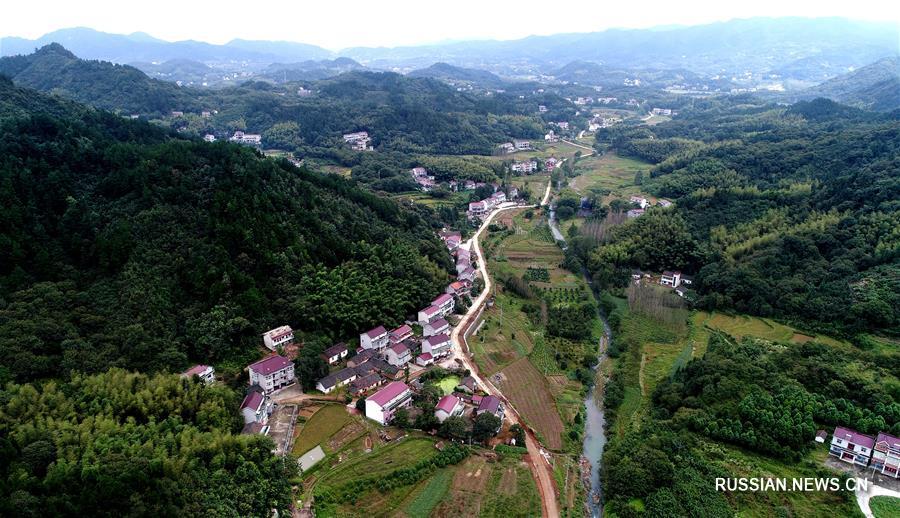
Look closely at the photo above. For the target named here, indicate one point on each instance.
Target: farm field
(483, 487)
(744, 325)
(425, 198)
(609, 172)
(527, 389)
(319, 427)
(504, 336)
(885, 506)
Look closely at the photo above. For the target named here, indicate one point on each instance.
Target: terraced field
(327, 421)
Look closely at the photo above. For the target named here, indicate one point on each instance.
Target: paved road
(540, 466)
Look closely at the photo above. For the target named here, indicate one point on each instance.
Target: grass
(382, 460)
(740, 326)
(885, 506)
(448, 384)
(424, 500)
(611, 173)
(318, 428)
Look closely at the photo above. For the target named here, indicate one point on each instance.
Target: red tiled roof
(457, 285)
(425, 356)
(447, 403)
(431, 310)
(375, 333)
(402, 331)
(438, 339)
(439, 323)
(441, 299)
(271, 364)
(855, 437)
(388, 393)
(399, 349)
(196, 369)
(892, 442)
(253, 401)
(490, 403)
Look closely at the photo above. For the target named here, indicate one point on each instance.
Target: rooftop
(399, 349)
(335, 349)
(855, 437)
(253, 400)
(388, 393)
(375, 333)
(278, 332)
(196, 369)
(447, 403)
(269, 365)
(438, 339)
(489, 403)
(431, 310)
(439, 323)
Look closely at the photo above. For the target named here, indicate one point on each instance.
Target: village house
(209, 137)
(424, 359)
(444, 303)
(278, 337)
(821, 435)
(437, 345)
(335, 353)
(634, 213)
(177, 114)
(336, 380)
(428, 314)
(436, 327)
(374, 338)
(670, 278)
(526, 166)
(398, 355)
(256, 407)
(513, 193)
(522, 145)
(447, 407)
(400, 334)
(458, 288)
(361, 358)
(662, 111)
(851, 446)
(640, 201)
(469, 185)
(272, 373)
(563, 125)
(380, 406)
(551, 163)
(467, 275)
(886, 455)
(467, 384)
(498, 197)
(478, 209)
(240, 137)
(551, 136)
(364, 384)
(664, 203)
(358, 141)
(507, 147)
(206, 373)
(384, 368)
(542, 108)
(491, 404)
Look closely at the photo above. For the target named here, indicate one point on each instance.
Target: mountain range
(798, 49)
(874, 87)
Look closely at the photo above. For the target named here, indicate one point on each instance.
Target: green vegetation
(448, 384)
(125, 246)
(884, 506)
(785, 213)
(323, 424)
(431, 494)
(120, 443)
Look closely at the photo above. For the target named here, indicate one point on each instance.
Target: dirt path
(641, 375)
(540, 466)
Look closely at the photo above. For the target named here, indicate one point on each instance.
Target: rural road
(540, 466)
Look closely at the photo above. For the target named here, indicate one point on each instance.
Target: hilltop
(874, 87)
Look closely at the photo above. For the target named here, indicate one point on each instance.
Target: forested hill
(788, 212)
(124, 245)
(875, 86)
(54, 69)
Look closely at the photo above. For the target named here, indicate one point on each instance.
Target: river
(594, 420)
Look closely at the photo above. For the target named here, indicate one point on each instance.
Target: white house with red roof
(851, 446)
(436, 327)
(374, 338)
(206, 373)
(886, 455)
(428, 314)
(458, 288)
(380, 406)
(279, 336)
(398, 355)
(467, 275)
(272, 373)
(256, 408)
(447, 407)
(491, 404)
(403, 332)
(479, 209)
(444, 303)
(424, 359)
(437, 345)
(670, 278)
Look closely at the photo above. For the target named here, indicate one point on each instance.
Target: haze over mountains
(801, 50)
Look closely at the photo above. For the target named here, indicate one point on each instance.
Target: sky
(337, 24)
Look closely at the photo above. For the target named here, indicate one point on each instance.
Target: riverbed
(594, 419)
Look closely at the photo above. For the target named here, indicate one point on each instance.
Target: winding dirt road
(540, 466)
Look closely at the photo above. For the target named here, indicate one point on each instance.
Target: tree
(518, 434)
(456, 427)
(486, 426)
(401, 418)
(361, 405)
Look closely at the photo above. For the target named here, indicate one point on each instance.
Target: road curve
(540, 466)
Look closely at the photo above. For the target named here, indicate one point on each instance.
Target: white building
(447, 407)
(272, 373)
(437, 345)
(382, 405)
(669, 278)
(249, 139)
(526, 166)
(522, 145)
(436, 327)
(205, 372)
(444, 303)
(398, 355)
(280, 336)
(374, 338)
(256, 408)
